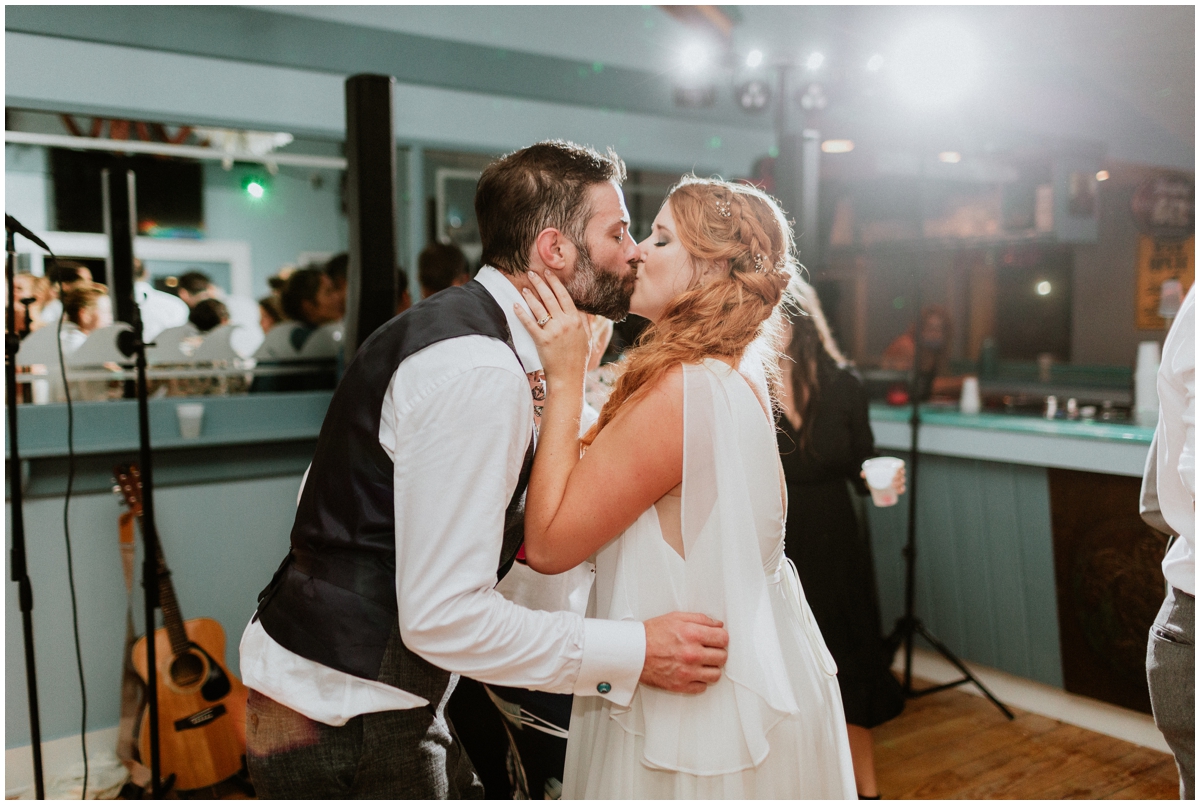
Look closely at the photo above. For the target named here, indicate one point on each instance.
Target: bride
(679, 500)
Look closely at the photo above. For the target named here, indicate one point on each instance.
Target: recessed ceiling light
(837, 146)
(950, 157)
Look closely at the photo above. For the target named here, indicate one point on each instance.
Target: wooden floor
(954, 745)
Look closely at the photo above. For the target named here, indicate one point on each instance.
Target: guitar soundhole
(187, 669)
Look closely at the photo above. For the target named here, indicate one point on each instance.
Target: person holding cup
(824, 438)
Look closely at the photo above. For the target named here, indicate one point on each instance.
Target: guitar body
(201, 707)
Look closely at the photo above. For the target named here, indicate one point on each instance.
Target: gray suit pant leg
(1170, 671)
(398, 754)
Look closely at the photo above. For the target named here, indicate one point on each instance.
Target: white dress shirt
(1176, 438)
(456, 422)
(245, 315)
(159, 310)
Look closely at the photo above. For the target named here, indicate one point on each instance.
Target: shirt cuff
(613, 655)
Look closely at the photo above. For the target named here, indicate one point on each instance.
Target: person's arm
(573, 506)
(862, 439)
(452, 485)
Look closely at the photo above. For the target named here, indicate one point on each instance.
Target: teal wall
(222, 541)
(985, 563)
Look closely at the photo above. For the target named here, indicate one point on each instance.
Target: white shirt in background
(1176, 437)
(159, 310)
(244, 314)
(456, 421)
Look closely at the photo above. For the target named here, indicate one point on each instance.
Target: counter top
(1116, 448)
(1079, 428)
(112, 426)
(109, 427)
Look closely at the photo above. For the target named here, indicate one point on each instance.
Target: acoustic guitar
(201, 706)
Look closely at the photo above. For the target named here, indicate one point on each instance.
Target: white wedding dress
(773, 727)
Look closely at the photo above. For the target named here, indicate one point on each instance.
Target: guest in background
(403, 297)
(824, 436)
(86, 309)
(208, 314)
(37, 289)
(159, 310)
(936, 330)
(196, 286)
(1171, 477)
(269, 312)
(441, 265)
(310, 299)
(336, 269)
(63, 275)
(193, 286)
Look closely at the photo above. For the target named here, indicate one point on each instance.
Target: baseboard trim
(58, 758)
(1092, 714)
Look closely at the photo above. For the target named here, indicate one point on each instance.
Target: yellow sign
(1157, 262)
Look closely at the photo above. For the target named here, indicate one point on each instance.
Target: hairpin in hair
(760, 262)
(724, 209)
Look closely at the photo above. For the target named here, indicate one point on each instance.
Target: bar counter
(1015, 514)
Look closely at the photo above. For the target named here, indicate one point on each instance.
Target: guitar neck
(172, 619)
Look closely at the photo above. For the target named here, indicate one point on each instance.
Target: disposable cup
(881, 474)
(191, 418)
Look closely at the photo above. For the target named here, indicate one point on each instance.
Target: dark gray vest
(333, 600)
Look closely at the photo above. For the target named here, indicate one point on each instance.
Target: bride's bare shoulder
(659, 405)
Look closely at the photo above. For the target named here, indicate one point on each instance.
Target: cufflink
(603, 687)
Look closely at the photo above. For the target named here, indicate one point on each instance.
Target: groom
(412, 509)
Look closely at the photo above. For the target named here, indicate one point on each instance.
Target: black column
(370, 206)
(119, 214)
(797, 168)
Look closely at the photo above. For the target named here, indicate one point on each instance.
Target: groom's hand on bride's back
(685, 652)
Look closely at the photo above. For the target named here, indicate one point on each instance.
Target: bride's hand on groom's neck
(561, 333)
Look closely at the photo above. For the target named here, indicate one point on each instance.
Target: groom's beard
(600, 292)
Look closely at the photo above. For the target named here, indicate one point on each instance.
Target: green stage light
(255, 187)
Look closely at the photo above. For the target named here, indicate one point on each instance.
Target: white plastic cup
(970, 402)
(881, 474)
(191, 418)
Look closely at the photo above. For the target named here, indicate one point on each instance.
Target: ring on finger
(542, 321)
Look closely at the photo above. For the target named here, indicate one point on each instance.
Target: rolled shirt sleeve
(457, 454)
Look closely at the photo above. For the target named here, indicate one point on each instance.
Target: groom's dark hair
(544, 185)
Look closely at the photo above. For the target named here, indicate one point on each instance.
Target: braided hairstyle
(742, 233)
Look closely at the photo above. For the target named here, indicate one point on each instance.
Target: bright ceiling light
(837, 146)
(754, 58)
(1043, 288)
(950, 157)
(1101, 176)
(814, 61)
(875, 62)
(934, 63)
(693, 58)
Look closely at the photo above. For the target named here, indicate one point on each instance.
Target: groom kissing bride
(412, 509)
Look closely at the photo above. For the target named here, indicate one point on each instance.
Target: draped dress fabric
(773, 727)
(832, 549)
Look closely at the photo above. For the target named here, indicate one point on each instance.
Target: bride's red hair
(739, 231)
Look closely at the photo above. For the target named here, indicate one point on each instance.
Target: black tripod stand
(20, 571)
(909, 626)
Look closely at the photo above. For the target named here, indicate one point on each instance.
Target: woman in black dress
(824, 436)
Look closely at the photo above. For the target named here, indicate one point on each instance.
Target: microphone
(13, 225)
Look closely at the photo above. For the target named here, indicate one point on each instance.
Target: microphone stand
(119, 208)
(20, 570)
(908, 626)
